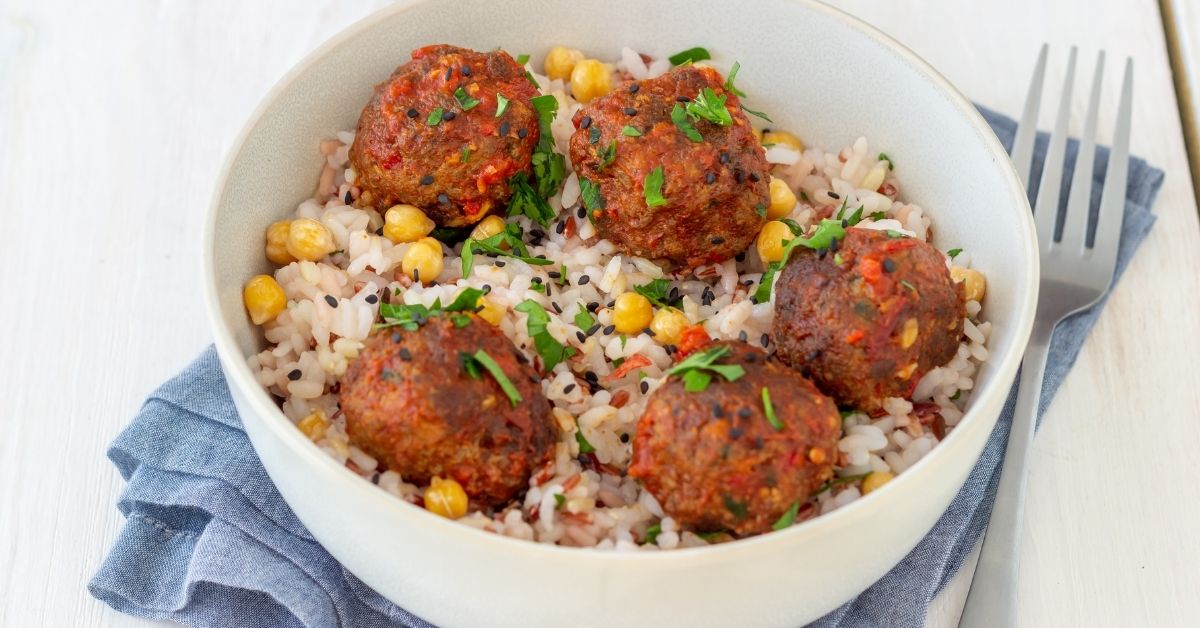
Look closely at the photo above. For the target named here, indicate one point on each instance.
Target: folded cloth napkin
(208, 541)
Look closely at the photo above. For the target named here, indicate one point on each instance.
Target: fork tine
(1079, 199)
(1022, 148)
(1112, 199)
(1045, 212)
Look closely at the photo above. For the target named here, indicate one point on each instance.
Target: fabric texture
(208, 540)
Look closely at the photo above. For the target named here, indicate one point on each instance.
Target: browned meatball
(714, 460)
(869, 322)
(716, 189)
(418, 143)
(409, 403)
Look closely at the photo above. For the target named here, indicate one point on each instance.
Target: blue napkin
(208, 541)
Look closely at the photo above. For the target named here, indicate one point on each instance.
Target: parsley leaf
(878, 215)
(826, 233)
(435, 117)
(788, 517)
(497, 373)
(652, 533)
(552, 351)
(658, 292)
(849, 479)
(460, 320)
(466, 154)
(856, 217)
(408, 317)
(607, 155)
(549, 167)
(492, 246)
(704, 364)
(709, 106)
(630, 131)
(652, 188)
(953, 253)
(593, 134)
(680, 118)
(690, 55)
(884, 157)
(469, 365)
(729, 80)
(522, 59)
(735, 508)
(584, 446)
(526, 201)
(466, 301)
(559, 500)
(769, 410)
(584, 319)
(589, 193)
(757, 113)
(465, 100)
(501, 104)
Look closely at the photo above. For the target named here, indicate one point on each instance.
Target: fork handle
(991, 601)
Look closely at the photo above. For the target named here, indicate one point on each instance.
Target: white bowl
(818, 72)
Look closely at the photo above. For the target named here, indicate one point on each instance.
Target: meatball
(715, 461)
(867, 323)
(716, 189)
(410, 403)
(430, 136)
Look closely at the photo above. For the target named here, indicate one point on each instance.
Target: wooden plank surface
(114, 119)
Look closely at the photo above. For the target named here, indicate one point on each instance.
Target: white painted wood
(114, 118)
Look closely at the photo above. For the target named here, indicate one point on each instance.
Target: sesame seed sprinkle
(630, 111)
(633, 88)
(742, 335)
(427, 180)
(580, 335)
(522, 133)
(583, 281)
(568, 388)
(412, 112)
(764, 340)
(585, 122)
(294, 374)
(372, 299)
(710, 177)
(504, 128)
(466, 70)
(448, 115)
(331, 300)
(609, 330)
(644, 386)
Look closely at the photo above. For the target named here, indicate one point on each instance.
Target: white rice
(311, 343)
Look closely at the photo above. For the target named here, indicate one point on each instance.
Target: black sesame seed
(648, 332)
(633, 89)
(591, 376)
(449, 73)
(449, 115)
(822, 253)
(833, 195)
(742, 335)
(580, 336)
(593, 329)
(748, 282)
(624, 438)
(375, 478)
(744, 413)
(443, 199)
(739, 175)
(554, 274)
(585, 122)
(522, 133)
(504, 128)
(501, 263)
(294, 374)
(412, 113)
(764, 340)
(487, 287)
(845, 223)
(833, 245)
(396, 337)
(673, 295)
(670, 349)
(536, 280)
(741, 257)
(405, 354)
(466, 70)
(888, 265)
(718, 240)
(582, 213)
(583, 281)
(331, 300)
(610, 303)
(372, 299)
(644, 386)
(379, 231)
(609, 330)
(560, 227)
(724, 157)
(593, 306)
(427, 179)
(736, 432)
(348, 198)
(717, 410)
(710, 177)
(556, 306)
(682, 99)
(630, 111)
(754, 177)
(750, 358)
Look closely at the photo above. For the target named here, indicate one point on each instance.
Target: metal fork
(1075, 274)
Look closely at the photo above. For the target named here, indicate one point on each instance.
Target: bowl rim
(238, 372)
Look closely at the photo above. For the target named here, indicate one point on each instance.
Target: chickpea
(632, 313)
(974, 284)
(668, 324)
(783, 200)
(492, 312)
(309, 240)
(422, 262)
(264, 298)
(590, 79)
(446, 497)
(784, 138)
(277, 239)
(560, 61)
(405, 223)
(488, 227)
(770, 241)
(875, 480)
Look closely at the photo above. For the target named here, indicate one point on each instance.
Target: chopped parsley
(769, 410)
(465, 100)
(594, 134)
(709, 106)
(630, 131)
(522, 59)
(466, 301)
(584, 446)
(729, 80)
(757, 114)
(826, 233)
(467, 361)
(697, 369)
(460, 320)
(549, 167)
(680, 118)
(877, 215)
(607, 155)
(590, 195)
(465, 154)
(761, 210)
(501, 104)
(658, 292)
(584, 319)
(652, 188)
(483, 359)
(849, 479)
(793, 225)
(735, 508)
(652, 533)
(435, 117)
(410, 317)
(788, 517)
(892, 233)
(552, 351)
(953, 253)
(510, 236)
(884, 157)
(527, 201)
(691, 55)
(856, 217)
(559, 500)
(904, 282)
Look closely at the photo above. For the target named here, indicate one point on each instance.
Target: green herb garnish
(435, 117)
(460, 320)
(697, 369)
(658, 292)
(468, 363)
(522, 59)
(652, 188)
(952, 253)
(757, 114)
(769, 410)
(607, 155)
(527, 201)
(559, 500)
(793, 225)
(584, 446)
(652, 532)
(589, 194)
(855, 218)
(884, 157)
(549, 167)
(826, 233)
(878, 215)
(729, 80)
(501, 104)
(735, 508)
(410, 317)
(788, 517)
(584, 319)
(691, 55)
(594, 135)
(892, 233)
(630, 131)
(465, 154)
(497, 373)
(849, 479)
(465, 100)
(552, 351)
(466, 301)
(709, 106)
(904, 282)
(510, 236)
(680, 118)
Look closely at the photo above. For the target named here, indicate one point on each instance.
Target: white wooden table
(114, 120)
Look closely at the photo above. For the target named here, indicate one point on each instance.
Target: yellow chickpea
(560, 61)
(446, 497)
(422, 262)
(405, 223)
(782, 137)
(488, 227)
(974, 284)
(770, 241)
(590, 79)
(492, 312)
(668, 324)
(277, 239)
(875, 480)
(783, 200)
(309, 240)
(264, 298)
(632, 313)
(314, 425)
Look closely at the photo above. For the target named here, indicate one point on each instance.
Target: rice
(331, 311)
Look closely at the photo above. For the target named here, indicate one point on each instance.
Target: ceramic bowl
(819, 72)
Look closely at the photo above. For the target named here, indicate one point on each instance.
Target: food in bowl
(668, 329)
